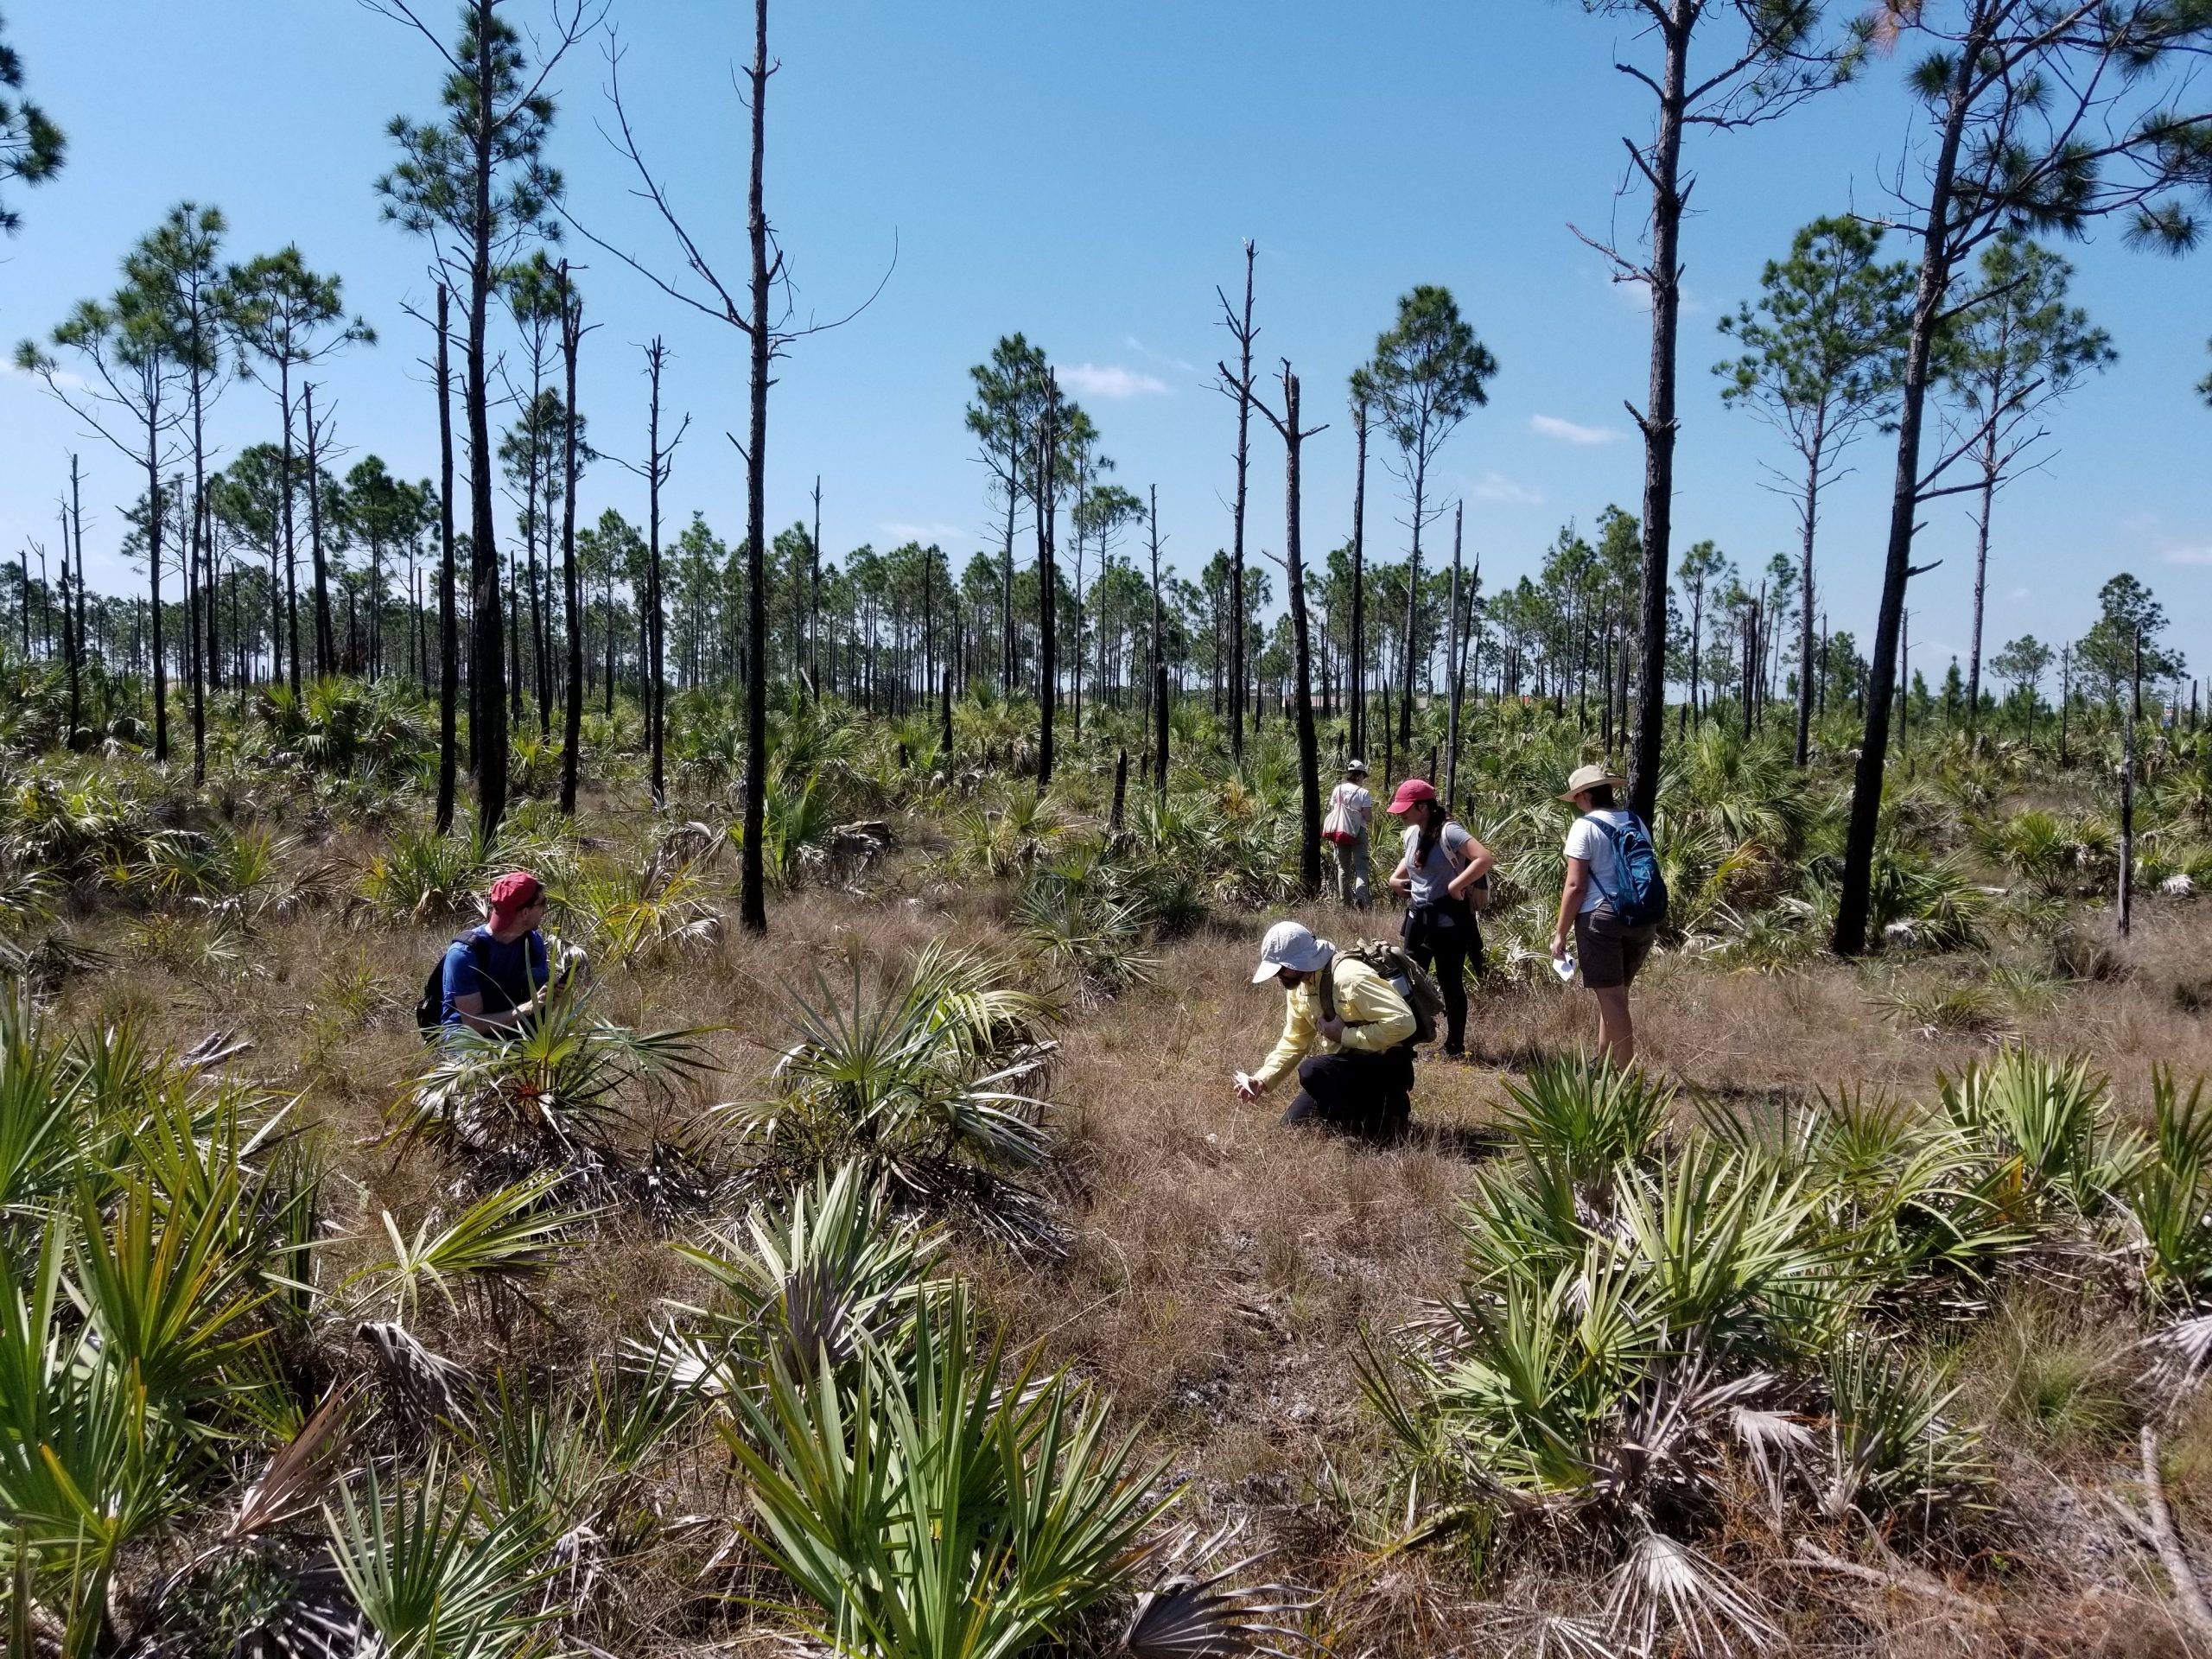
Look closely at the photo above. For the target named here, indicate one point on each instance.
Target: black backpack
(430, 1007)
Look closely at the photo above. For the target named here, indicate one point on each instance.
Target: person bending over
(1352, 1051)
(498, 975)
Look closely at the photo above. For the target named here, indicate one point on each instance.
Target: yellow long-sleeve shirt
(1375, 1018)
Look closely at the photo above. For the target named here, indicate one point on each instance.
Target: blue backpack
(1642, 901)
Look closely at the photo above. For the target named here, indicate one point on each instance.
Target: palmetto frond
(88, 1462)
(550, 1094)
(1199, 1611)
(509, 1238)
(1893, 1448)
(936, 1508)
(1589, 1114)
(1667, 1593)
(815, 1276)
(2040, 1117)
(431, 1575)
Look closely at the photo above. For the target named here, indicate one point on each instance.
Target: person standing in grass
(498, 975)
(1606, 903)
(1351, 807)
(1346, 1032)
(1441, 868)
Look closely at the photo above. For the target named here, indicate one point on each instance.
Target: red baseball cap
(1411, 793)
(513, 893)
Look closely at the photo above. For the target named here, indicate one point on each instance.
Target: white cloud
(1495, 487)
(67, 379)
(1160, 358)
(938, 533)
(1550, 426)
(1109, 380)
(2201, 554)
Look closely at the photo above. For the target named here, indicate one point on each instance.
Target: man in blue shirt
(497, 975)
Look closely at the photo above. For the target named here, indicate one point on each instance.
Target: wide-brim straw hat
(1591, 777)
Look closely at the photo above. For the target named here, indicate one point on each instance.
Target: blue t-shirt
(504, 975)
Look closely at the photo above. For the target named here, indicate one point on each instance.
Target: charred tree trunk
(1242, 327)
(753, 897)
(1309, 755)
(1934, 280)
(1456, 657)
(1657, 422)
(74, 628)
(487, 653)
(571, 336)
(448, 620)
(1358, 740)
(325, 650)
(1804, 747)
(1046, 486)
(153, 518)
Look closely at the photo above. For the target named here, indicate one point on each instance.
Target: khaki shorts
(1611, 954)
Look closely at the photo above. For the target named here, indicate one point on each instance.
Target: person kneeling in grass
(499, 975)
(1352, 1051)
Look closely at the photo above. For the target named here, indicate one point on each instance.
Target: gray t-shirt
(1445, 860)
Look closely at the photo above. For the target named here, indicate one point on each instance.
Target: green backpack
(1402, 974)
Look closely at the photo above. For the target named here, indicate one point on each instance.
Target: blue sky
(1086, 175)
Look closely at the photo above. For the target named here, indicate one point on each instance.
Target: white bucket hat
(1292, 945)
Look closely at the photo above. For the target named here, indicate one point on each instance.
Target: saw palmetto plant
(936, 1505)
(556, 1093)
(928, 1083)
(813, 1277)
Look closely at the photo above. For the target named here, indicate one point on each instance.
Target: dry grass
(1223, 1267)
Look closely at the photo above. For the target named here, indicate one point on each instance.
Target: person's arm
(1376, 1016)
(469, 1005)
(1295, 1043)
(1478, 865)
(1570, 902)
(471, 1010)
(1401, 879)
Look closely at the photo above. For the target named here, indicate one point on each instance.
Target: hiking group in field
(1354, 1017)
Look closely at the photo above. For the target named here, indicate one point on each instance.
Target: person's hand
(1246, 1087)
(1559, 946)
(1331, 1029)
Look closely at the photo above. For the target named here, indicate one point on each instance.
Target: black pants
(1368, 1095)
(1444, 942)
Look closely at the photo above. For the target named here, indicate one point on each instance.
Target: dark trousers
(1368, 1095)
(1444, 942)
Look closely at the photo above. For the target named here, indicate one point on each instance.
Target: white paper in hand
(1564, 967)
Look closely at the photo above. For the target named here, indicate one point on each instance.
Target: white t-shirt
(1357, 804)
(1586, 841)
